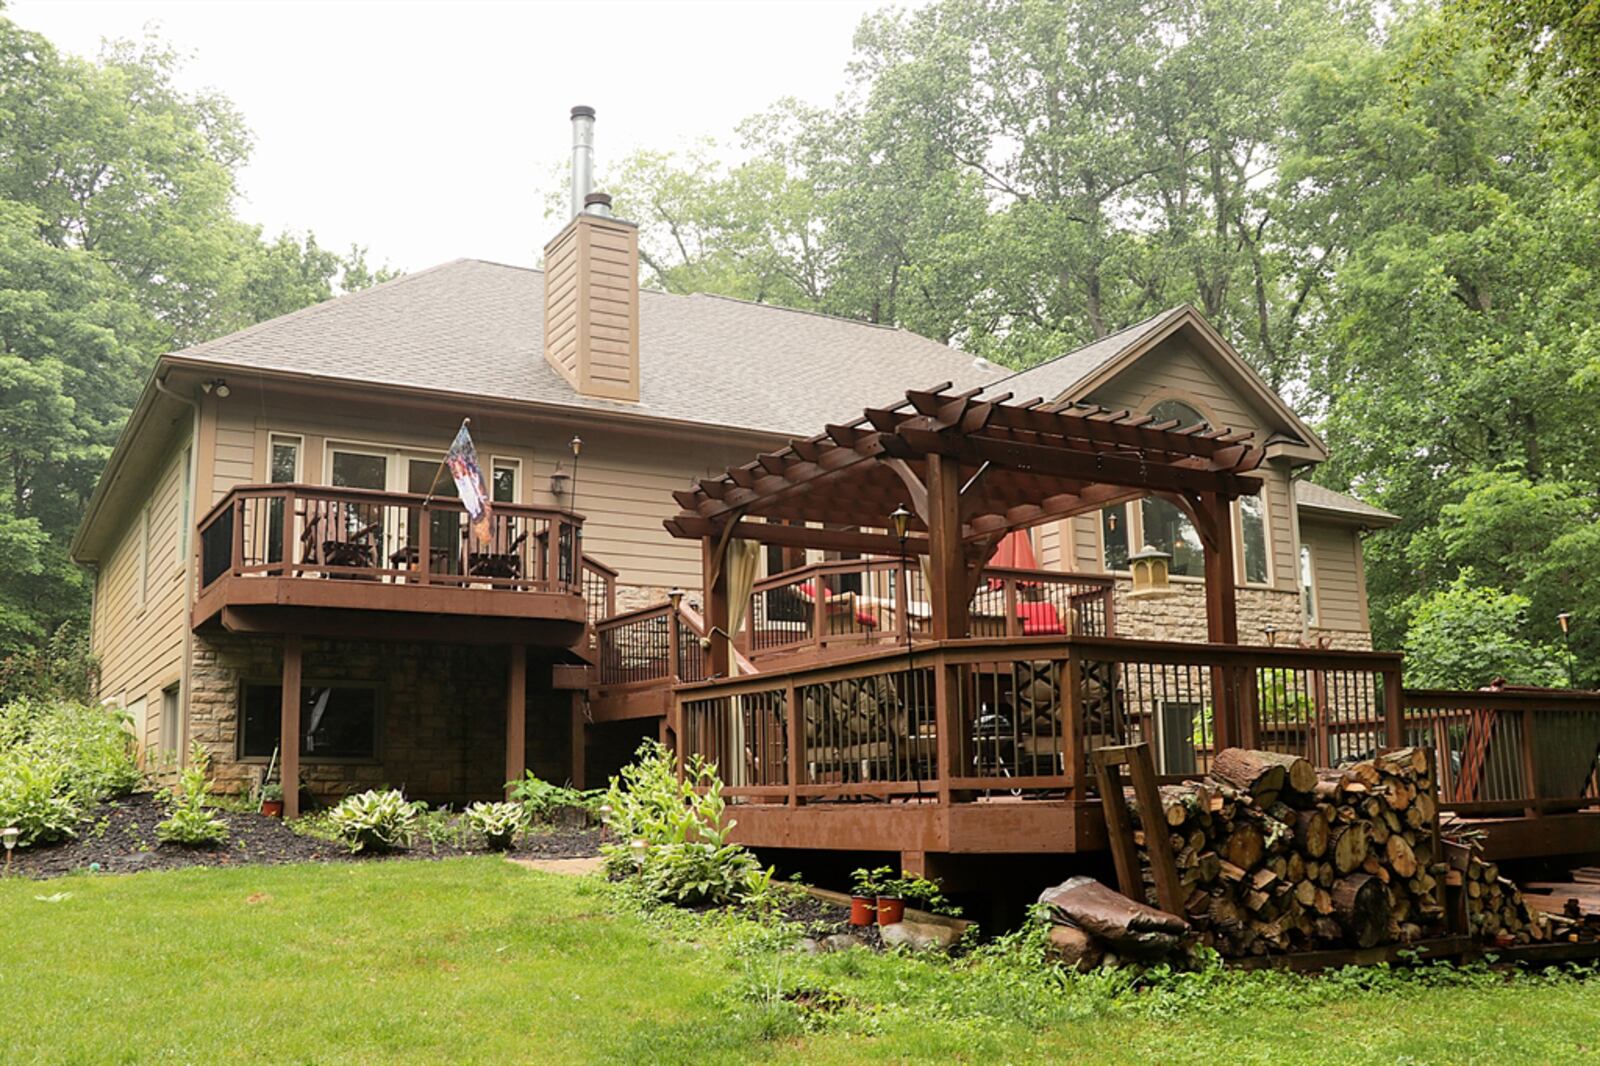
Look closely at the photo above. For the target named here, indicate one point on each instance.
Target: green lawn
(475, 960)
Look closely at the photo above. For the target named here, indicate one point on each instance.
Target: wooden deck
(394, 565)
(980, 745)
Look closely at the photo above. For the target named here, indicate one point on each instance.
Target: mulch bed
(822, 919)
(120, 837)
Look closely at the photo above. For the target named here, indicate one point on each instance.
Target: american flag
(462, 459)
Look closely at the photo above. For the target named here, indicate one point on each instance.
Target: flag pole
(429, 498)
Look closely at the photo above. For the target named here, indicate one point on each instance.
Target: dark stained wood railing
(834, 607)
(312, 531)
(961, 720)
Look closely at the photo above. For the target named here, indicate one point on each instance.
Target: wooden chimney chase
(591, 306)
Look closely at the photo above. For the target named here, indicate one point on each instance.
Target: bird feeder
(1150, 569)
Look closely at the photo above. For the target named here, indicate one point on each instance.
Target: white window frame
(299, 442)
(508, 462)
(1266, 540)
(182, 541)
(1309, 610)
(170, 741)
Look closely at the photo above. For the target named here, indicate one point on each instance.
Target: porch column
(1222, 620)
(580, 748)
(713, 557)
(517, 713)
(947, 563)
(289, 727)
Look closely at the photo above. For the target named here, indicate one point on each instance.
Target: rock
(1123, 925)
(1074, 947)
(840, 942)
(810, 946)
(918, 936)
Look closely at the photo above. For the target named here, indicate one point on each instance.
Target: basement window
(337, 722)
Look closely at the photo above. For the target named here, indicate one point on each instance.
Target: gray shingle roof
(1313, 497)
(476, 328)
(1055, 376)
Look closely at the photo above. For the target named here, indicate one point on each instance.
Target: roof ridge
(804, 311)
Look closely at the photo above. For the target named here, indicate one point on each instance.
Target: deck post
(1394, 732)
(516, 713)
(289, 537)
(424, 545)
(947, 724)
(796, 741)
(1222, 617)
(1072, 748)
(947, 565)
(289, 727)
(712, 557)
(580, 747)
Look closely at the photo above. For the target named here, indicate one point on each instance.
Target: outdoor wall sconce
(675, 597)
(558, 482)
(218, 386)
(9, 835)
(1271, 632)
(1150, 574)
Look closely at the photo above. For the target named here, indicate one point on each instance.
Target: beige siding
(592, 306)
(1175, 371)
(625, 480)
(139, 633)
(1337, 571)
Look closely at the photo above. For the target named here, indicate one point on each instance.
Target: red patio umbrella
(1015, 552)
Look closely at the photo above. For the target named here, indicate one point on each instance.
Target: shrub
(376, 821)
(63, 668)
(675, 837)
(36, 797)
(90, 743)
(541, 801)
(497, 823)
(190, 823)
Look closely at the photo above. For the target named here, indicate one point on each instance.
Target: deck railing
(1510, 751)
(311, 531)
(841, 606)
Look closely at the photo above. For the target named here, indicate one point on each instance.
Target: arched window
(1165, 526)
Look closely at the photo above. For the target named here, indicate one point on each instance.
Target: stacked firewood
(1275, 855)
(1572, 907)
(1495, 908)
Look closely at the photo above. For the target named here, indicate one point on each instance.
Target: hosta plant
(190, 822)
(497, 823)
(375, 821)
(35, 796)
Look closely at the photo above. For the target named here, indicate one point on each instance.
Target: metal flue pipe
(582, 157)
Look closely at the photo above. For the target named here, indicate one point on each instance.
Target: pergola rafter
(972, 468)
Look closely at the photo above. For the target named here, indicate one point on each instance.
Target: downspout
(191, 474)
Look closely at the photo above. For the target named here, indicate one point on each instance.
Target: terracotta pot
(272, 808)
(891, 910)
(863, 910)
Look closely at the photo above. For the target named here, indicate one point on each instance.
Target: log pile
(1571, 907)
(1275, 855)
(1094, 925)
(1496, 910)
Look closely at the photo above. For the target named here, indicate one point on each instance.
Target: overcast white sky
(427, 131)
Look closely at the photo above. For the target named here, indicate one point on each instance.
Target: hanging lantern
(1150, 571)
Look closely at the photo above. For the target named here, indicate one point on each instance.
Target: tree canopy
(1405, 249)
(118, 241)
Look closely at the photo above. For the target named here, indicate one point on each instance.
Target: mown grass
(475, 960)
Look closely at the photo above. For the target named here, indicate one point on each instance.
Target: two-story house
(272, 544)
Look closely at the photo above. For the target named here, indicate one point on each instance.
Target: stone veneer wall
(441, 715)
(1183, 617)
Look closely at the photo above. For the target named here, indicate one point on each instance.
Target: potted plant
(864, 894)
(272, 799)
(925, 894)
(891, 899)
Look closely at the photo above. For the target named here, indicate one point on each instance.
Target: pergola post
(947, 562)
(289, 726)
(713, 557)
(517, 713)
(1222, 615)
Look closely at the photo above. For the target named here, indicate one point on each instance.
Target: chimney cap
(583, 111)
(597, 198)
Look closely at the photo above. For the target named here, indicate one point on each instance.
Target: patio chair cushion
(1040, 620)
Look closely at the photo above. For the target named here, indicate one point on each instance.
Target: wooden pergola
(971, 468)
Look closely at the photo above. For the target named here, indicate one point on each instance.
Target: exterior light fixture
(1272, 634)
(902, 523)
(576, 444)
(558, 482)
(1150, 569)
(675, 597)
(218, 386)
(639, 849)
(9, 836)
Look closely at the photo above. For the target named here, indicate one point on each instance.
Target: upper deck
(341, 561)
